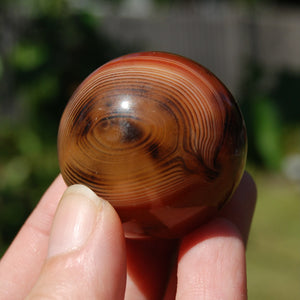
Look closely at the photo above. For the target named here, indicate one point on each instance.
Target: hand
(76, 250)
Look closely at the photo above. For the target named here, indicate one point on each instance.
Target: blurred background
(48, 47)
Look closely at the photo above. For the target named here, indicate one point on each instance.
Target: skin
(208, 263)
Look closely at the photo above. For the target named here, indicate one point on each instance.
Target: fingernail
(74, 220)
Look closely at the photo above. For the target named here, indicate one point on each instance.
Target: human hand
(76, 250)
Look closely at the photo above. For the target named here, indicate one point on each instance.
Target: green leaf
(268, 132)
(29, 56)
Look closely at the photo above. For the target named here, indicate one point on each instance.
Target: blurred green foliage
(50, 50)
(271, 111)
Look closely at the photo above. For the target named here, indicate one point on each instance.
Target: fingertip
(218, 228)
(240, 209)
(86, 257)
(206, 255)
(248, 185)
(75, 219)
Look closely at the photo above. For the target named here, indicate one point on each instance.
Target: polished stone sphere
(159, 137)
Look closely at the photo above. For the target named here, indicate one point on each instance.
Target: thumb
(86, 254)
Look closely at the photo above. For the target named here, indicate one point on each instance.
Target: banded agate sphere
(159, 137)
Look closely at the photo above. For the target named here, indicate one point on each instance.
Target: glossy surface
(158, 136)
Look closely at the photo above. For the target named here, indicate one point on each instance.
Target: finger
(86, 255)
(239, 211)
(149, 263)
(240, 208)
(22, 262)
(212, 263)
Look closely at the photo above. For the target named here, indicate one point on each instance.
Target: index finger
(212, 262)
(22, 262)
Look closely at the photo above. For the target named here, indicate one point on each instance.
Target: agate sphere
(159, 137)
